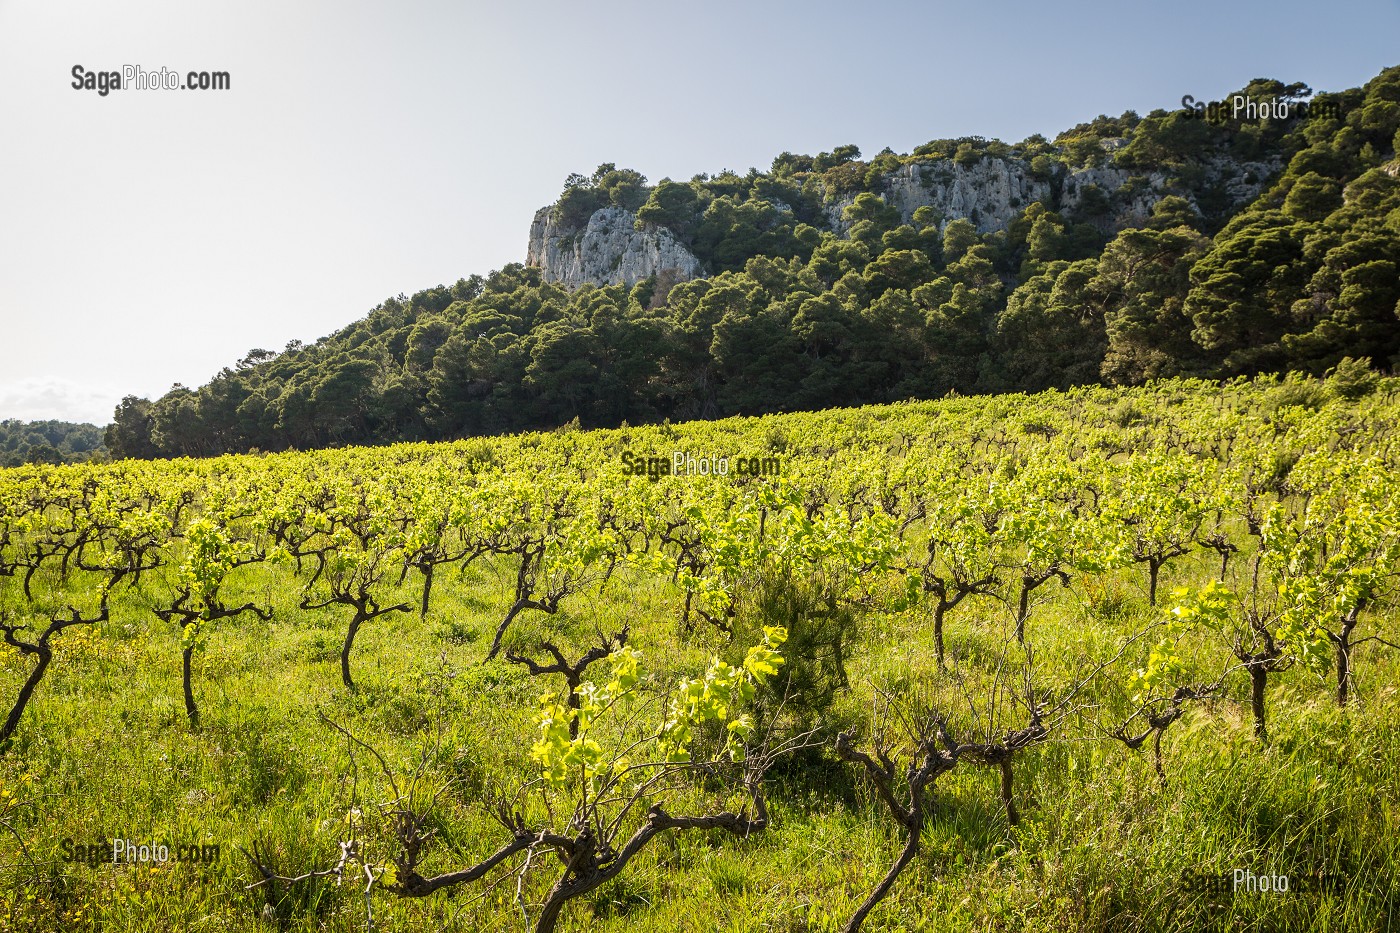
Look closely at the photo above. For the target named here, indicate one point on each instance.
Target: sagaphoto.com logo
(129, 852)
(136, 78)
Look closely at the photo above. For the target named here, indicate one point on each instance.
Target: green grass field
(105, 751)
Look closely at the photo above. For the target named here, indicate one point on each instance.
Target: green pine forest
(48, 442)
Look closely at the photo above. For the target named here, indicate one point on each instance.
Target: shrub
(1352, 379)
(1296, 391)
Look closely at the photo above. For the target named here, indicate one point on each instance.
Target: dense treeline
(795, 316)
(48, 442)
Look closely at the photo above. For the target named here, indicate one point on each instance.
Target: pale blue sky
(368, 149)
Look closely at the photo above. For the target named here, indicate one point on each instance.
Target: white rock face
(989, 194)
(1244, 181)
(608, 251)
(1132, 200)
(992, 192)
(1131, 205)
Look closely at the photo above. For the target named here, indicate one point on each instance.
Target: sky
(365, 150)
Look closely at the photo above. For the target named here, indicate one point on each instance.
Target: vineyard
(1062, 661)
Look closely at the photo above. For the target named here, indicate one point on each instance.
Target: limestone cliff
(1131, 193)
(608, 251)
(989, 193)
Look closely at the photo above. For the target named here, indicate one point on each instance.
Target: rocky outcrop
(1131, 193)
(990, 193)
(609, 250)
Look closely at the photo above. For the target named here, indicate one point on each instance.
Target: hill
(1209, 243)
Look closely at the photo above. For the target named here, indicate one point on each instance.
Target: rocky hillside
(1127, 249)
(613, 247)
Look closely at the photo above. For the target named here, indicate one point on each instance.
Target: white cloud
(58, 400)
